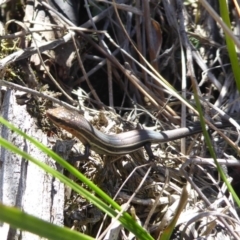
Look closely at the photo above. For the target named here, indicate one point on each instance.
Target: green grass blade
(18, 219)
(126, 220)
(211, 149)
(224, 11)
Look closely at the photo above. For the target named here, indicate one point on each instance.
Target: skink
(117, 144)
